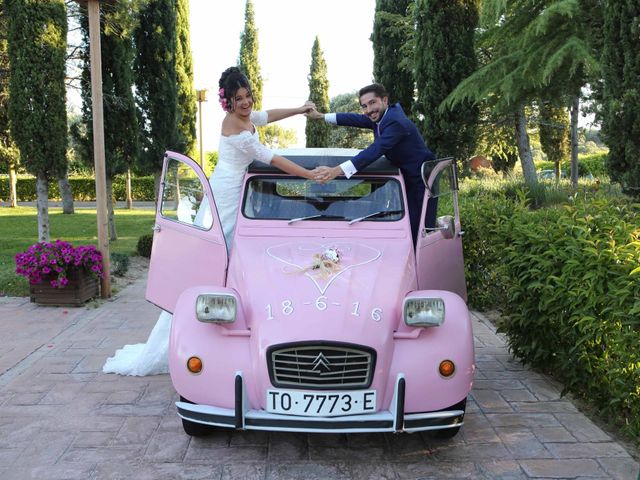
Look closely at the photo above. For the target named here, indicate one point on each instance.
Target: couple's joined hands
(325, 174)
(309, 110)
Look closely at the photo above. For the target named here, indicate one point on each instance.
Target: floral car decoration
(324, 315)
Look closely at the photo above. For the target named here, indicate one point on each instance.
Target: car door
(439, 256)
(188, 244)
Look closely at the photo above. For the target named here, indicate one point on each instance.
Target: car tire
(448, 433)
(194, 429)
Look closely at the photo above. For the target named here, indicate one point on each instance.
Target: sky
(286, 32)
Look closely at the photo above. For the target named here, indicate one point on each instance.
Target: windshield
(297, 199)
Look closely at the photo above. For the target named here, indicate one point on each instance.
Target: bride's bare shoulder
(233, 126)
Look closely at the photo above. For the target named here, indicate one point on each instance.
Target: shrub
(119, 263)
(145, 242)
(593, 164)
(83, 188)
(567, 280)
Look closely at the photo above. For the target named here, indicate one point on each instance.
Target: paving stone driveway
(61, 418)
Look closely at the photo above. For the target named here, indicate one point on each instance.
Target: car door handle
(156, 228)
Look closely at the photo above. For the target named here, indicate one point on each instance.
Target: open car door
(439, 256)
(188, 244)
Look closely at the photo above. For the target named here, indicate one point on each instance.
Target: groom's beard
(377, 116)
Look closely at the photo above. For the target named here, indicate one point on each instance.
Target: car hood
(290, 293)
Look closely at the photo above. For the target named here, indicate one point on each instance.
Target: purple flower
(57, 259)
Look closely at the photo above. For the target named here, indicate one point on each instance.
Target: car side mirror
(446, 225)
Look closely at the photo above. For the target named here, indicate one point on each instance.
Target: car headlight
(216, 308)
(423, 312)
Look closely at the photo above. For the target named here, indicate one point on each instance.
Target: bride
(239, 146)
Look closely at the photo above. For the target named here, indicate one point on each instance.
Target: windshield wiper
(318, 215)
(380, 213)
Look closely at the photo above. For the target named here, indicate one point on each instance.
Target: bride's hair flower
(224, 103)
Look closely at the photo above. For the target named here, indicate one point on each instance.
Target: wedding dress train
(150, 358)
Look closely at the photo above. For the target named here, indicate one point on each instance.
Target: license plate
(321, 404)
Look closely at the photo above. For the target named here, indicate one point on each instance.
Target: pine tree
(531, 49)
(554, 133)
(121, 138)
(621, 106)
(155, 80)
(445, 55)
(392, 40)
(317, 133)
(184, 71)
(248, 59)
(37, 37)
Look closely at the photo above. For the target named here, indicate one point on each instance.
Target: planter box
(82, 287)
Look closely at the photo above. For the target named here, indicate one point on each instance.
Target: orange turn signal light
(194, 365)
(447, 368)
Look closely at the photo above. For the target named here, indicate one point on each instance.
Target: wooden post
(129, 195)
(201, 96)
(98, 142)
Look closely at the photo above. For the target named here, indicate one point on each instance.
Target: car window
(281, 198)
(183, 198)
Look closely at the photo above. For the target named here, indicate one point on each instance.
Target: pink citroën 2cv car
(325, 317)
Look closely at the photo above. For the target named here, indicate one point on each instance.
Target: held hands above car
(324, 174)
(307, 107)
(314, 114)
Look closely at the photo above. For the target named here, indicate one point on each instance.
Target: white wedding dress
(235, 153)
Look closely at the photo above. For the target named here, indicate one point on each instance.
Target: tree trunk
(524, 148)
(66, 194)
(13, 186)
(113, 234)
(42, 192)
(129, 195)
(575, 110)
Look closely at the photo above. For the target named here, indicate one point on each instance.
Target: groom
(395, 136)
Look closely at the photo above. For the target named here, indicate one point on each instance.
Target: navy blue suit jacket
(396, 137)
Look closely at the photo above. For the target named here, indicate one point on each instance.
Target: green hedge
(83, 188)
(593, 164)
(567, 280)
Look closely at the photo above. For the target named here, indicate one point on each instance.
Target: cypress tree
(8, 150)
(445, 55)
(554, 133)
(121, 138)
(621, 98)
(155, 79)
(392, 40)
(317, 133)
(248, 59)
(184, 72)
(37, 37)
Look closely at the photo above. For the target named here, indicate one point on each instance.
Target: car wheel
(447, 433)
(194, 429)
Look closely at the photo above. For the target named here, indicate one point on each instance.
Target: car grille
(321, 366)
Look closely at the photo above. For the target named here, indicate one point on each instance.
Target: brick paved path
(61, 418)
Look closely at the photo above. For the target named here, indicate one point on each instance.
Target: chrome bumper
(392, 420)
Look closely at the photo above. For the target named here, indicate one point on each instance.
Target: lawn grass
(19, 230)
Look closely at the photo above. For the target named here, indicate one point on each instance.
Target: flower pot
(82, 286)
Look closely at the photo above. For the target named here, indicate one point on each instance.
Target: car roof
(313, 157)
